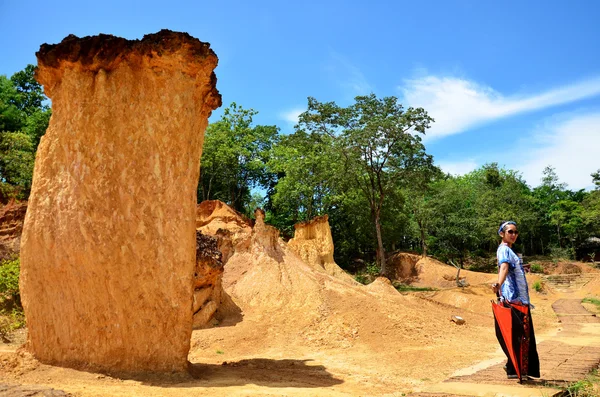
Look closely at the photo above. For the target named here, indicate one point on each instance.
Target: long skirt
(523, 342)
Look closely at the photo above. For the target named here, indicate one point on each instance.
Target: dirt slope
(288, 308)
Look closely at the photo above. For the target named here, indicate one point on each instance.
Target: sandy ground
(311, 334)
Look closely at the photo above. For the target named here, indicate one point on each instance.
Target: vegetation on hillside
(364, 165)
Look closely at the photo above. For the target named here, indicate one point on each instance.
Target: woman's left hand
(495, 288)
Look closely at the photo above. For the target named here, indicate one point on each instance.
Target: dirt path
(565, 357)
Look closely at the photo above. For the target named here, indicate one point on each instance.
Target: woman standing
(513, 291)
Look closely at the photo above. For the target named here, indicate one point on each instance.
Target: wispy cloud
(459, 167)
(458, 104)
(291, 116)
(348, 76)
(570, 145)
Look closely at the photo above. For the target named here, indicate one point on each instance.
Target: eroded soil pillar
(108, 246)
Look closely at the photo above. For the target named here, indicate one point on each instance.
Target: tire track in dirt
(566, 357)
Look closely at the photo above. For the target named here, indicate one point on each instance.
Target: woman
(513, 291)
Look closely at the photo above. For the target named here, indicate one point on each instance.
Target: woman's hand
(496, 288)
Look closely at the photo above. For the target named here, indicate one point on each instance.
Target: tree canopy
(24, 117)
(363, 164)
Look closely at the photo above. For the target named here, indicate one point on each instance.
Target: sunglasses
(511, 232)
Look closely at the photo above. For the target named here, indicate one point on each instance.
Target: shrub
(9, 280)
(536, 268)
(361, 278)
(588, 387)
(10, 321)
(11, 312)
(409, 288)
(373, 269)
(594, 301)
(558, 254)
(537, 286)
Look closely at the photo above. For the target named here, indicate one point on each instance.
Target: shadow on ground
(256, 371)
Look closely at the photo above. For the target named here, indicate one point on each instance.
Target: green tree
(378, 141)
(234, 158)
(29, 96)
(16, 165)
(419, 193)
(307, 167)
(455, 226)
(23, 120)
(596, 179)
(547, 194)
(565, 215)
(11, 118)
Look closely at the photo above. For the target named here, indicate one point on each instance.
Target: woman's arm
(502, 273)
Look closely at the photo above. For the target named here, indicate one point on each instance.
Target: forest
(363, 165)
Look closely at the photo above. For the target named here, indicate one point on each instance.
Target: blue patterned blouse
(514, 288)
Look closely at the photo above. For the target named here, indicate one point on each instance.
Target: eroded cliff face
(314, 244)
(12, 216)
(208, 274)
(108, 246)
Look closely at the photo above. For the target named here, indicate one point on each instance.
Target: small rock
(458, 320)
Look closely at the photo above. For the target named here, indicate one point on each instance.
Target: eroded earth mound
(289, 304)
(313, 243)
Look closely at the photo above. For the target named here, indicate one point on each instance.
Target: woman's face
(510, 234)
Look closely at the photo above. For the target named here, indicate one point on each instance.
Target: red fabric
(504, 318)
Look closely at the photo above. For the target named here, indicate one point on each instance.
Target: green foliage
(36, 125)
(482, 264)
(596, 178)
(536, 268)
(29, 96)
(409, 288)
(590, 215)
(372, 269)
(594, 301)
(361, 278)
(23, 120)
(561, 254)
(9, 322)
(588, 387)
(16, 165)
(307, 167)
(11, 312)
(234, 158)
(374, 142)
(537, 286)
(9, 279)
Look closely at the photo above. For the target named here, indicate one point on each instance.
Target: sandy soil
(289, 331)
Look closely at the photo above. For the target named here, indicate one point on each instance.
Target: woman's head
(508, 231)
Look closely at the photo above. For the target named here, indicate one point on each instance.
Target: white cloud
(459, 104)
(571, 146)
(460, 167)
(291, 116)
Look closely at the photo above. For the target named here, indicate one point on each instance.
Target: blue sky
(513, 82)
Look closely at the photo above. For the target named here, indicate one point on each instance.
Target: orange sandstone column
(108, 245)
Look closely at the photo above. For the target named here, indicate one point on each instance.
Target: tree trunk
(423, 243)
(380, 250)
